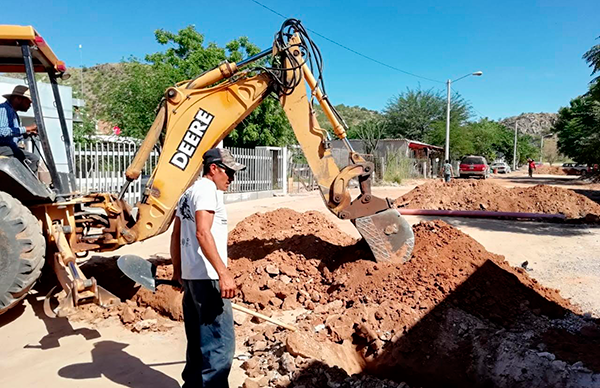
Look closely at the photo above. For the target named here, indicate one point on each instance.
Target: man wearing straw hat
(11, 130)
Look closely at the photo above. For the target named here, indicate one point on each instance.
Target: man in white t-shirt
(199, 255)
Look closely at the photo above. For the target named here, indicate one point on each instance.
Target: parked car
(576, 168)
(500, 167)
(475, 166)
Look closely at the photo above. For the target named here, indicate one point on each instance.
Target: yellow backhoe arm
(198, 114)
(195, 116)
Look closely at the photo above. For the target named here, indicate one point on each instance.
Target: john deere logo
(191, 139)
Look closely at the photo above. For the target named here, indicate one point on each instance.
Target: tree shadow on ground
(469, 337)
(109, 360)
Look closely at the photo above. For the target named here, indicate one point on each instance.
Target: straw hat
(19, 91)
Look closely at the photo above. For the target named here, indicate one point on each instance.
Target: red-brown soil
(551, 170)
(483, 195)
(455, 315)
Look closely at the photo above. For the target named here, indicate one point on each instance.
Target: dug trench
(455, 315)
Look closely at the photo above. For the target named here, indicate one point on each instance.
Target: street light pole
(542, 147)
(515, 149)
(81, 70)
(447, 148)
(448, 87)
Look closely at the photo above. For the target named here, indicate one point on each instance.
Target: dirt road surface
(38, 351)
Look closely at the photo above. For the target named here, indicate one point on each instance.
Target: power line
(351, 50)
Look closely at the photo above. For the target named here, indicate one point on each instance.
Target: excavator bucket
(389, 236)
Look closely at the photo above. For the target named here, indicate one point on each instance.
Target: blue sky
(529, 51)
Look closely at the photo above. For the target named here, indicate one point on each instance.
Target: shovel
(143, 272)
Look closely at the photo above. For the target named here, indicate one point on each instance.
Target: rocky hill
(94, 82)
(532, 123)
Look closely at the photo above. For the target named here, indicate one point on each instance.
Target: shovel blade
(388, 234)
(139, 270)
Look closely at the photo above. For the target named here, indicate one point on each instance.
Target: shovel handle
(176, 284)
(262, 316)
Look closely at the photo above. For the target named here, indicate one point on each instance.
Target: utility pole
(81, 70)
(515, 149)
(448, 101)
(542, 151)
(447, 147)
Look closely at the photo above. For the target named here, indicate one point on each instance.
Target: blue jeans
(447, 177)
(208, 322)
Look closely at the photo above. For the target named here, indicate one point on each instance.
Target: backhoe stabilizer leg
(76, 286)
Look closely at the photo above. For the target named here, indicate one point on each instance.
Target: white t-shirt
(202, 195)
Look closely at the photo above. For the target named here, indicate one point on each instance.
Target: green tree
(486, 138)
(592, 57)
(131, 100)
(82, 131)
(370, 132)
(578, 129)
(266, 125)
(352, 115)
(412, 114)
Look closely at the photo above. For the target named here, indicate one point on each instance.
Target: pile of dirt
(455, 315)
(483, 195)
(551, 170)
(140, 309)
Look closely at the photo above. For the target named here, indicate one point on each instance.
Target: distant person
(199, 255)
(531, 167)
(448, 171)
(11, 130)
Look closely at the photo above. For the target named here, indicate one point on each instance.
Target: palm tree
(592, 57)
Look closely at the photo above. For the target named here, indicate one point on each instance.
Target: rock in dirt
(343, 356)
(128, 315)
(249, 383)
(145, 324)
(272, 269)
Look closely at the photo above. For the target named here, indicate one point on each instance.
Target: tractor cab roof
(11, 57)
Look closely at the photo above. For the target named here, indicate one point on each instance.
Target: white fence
(101, 166)
(265, 170)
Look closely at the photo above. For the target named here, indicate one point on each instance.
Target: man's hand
(31, 129)
(177, 277)
(227, 284)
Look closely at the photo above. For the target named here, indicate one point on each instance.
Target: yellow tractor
(194, 116)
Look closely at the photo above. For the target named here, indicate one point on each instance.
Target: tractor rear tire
(22, 250)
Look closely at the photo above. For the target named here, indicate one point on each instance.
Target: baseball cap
(222, 157)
